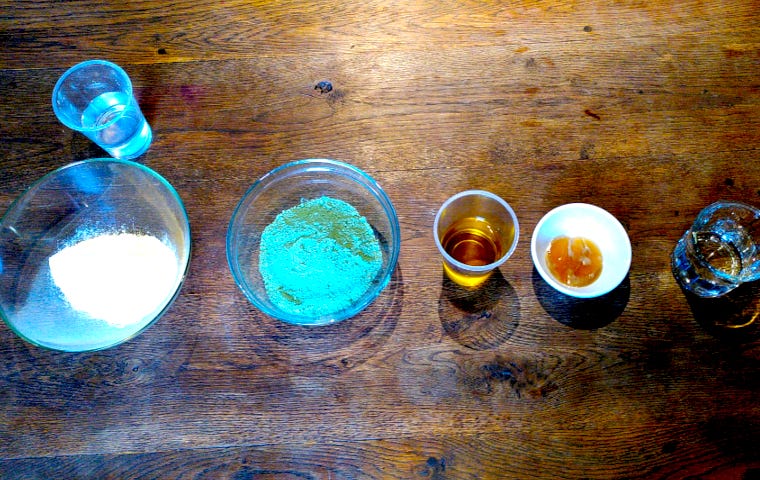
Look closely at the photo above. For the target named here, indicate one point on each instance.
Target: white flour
(117, 278)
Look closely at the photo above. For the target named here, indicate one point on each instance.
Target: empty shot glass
(720, 251)
(475, 232)
(95, 98)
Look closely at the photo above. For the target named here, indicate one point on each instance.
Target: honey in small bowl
(574, 261)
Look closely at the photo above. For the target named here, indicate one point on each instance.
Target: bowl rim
(347, 170)
(186, 253)
(612, 224)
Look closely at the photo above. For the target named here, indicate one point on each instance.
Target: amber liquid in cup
(475, 242)
(475, 231)
(472, 241)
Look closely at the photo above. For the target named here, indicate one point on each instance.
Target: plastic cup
(720, 251)
(475, 232)
(95, 98)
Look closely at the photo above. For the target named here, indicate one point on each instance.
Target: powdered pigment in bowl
(318, 257)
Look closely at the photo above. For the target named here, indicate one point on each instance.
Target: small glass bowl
(595, 224)
(286, 187)
(78, 202)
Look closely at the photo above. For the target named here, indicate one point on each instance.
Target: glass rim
(476, 269)
(705, 215)
(79, 66)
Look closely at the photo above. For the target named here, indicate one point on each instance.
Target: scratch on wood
(592, 114)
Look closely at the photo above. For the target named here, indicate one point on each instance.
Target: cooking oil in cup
(473, 241)
(476, 231)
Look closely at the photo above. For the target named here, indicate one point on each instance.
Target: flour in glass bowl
(118, 278)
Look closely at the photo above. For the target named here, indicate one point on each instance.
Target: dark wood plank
(648, 110)
(460, 457)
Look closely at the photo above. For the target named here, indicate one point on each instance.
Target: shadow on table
(732, 317)
(481, 318)
(582, 313)
(340, 346)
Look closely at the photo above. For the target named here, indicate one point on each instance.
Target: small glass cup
(720, 251)
(475, 231)
(95, 98)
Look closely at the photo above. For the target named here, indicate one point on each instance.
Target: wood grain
(650, 110)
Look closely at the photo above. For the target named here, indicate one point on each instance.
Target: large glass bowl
(286, 187)
(91, 255)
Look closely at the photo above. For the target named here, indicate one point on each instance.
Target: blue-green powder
(318, 257)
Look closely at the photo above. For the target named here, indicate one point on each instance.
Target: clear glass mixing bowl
(284, 188)
(44, 292)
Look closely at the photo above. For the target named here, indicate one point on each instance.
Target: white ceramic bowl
(595, 224)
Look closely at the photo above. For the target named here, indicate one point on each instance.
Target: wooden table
(650, 110)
